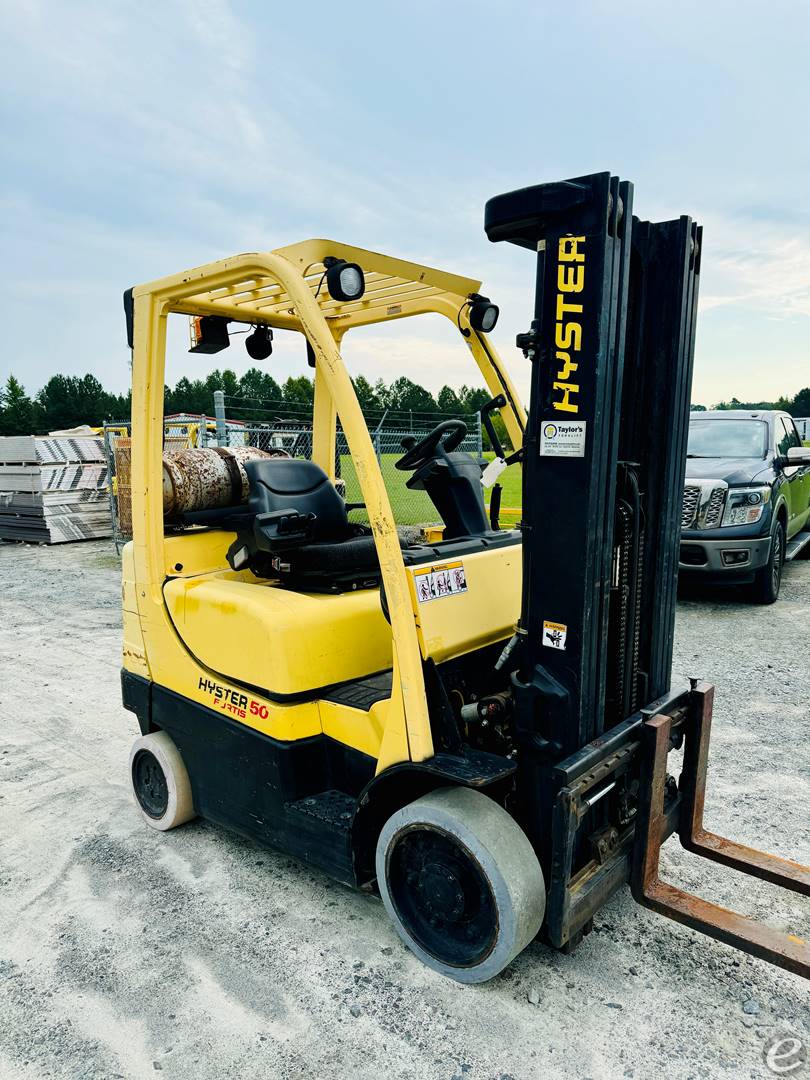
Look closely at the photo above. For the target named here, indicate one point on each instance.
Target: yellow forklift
(475, 726)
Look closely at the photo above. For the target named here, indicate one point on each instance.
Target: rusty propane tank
(204, 478)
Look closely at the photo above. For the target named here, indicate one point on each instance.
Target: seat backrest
(297, 484)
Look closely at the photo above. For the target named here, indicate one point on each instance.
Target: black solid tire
(474, 896)
(768, 579)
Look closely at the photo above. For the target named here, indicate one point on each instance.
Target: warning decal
(434, 582)
(554, 634)
(562, 438)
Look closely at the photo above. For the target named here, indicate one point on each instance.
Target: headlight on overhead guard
(744, 506)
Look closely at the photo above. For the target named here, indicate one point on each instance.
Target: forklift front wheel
(160, 782)
(461, 883)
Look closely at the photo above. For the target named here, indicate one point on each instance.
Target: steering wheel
(449, 434)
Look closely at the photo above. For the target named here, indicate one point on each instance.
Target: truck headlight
(745, 505)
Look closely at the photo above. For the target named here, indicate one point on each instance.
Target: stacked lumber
(53, 489)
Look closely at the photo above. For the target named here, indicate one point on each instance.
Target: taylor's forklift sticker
(435, 582)
(562, 438)
(554, 634)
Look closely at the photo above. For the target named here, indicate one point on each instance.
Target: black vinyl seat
(296, 527)
(298, 484)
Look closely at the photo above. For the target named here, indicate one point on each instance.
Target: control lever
(485, 410)
(494, 469)
(278, 530)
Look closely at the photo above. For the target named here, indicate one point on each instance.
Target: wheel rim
(776, 570)
(441, 896)
(149, 782)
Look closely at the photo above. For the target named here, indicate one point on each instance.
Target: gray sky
(140, 139)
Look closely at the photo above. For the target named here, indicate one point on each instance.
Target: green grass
(415, 507)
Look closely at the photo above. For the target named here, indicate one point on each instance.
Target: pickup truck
(746, 499)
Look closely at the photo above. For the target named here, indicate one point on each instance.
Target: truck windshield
(716, 438)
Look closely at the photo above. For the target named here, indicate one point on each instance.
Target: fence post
(109, 457)
(219, 414)
(202, 432)
(479, 436)
(376, 436)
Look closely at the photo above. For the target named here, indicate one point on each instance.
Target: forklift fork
(785, 950)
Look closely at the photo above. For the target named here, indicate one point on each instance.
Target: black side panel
(136, 695)
(249, 782)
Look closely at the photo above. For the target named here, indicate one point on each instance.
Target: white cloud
(140, 140)
(771, 277)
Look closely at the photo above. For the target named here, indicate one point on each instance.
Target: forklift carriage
(476, 727)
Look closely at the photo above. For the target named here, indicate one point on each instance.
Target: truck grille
(714, 508)
(703, 504)
(691, 498)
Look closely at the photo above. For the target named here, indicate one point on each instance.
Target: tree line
(796, 406)
(66, 401)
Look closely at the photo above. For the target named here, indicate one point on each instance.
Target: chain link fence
(295, 438)
(409, 507)
(118, 452)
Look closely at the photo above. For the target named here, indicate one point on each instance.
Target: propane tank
(206, 477)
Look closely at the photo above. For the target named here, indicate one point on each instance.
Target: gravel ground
(125, 953)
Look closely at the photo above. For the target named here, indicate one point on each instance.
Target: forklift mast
(611, 347)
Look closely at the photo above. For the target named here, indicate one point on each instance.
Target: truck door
(797, 476)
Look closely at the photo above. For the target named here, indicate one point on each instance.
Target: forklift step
(330, 808)
(362, 693)
(785, 950)
(797, 545)
(321, 824)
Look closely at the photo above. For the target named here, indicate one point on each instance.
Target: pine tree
(19, 415)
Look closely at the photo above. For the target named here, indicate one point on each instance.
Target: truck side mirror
(797, 455)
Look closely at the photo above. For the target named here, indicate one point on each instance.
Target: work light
(483, 314)
(209, 334)
(259, 344)
(344, 280)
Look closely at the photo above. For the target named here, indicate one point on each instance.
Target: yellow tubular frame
(280, 293)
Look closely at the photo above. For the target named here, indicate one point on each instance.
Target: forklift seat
(320, 550)
(284, 483)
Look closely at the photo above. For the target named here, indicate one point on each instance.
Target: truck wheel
(461, 883)
(160, 782)
(768, 578)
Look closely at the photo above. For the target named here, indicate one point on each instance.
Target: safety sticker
(562, 438)
(554, 634)
(435, 582)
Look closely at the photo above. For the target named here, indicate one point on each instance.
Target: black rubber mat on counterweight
(362, 693)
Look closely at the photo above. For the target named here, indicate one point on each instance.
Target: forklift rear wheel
(160, 782)
(461, 883)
